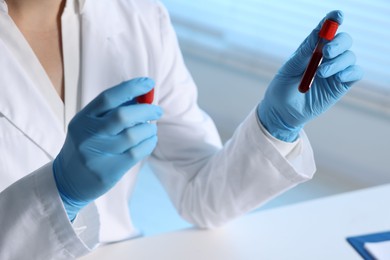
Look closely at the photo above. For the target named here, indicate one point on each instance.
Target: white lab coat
(104, 43)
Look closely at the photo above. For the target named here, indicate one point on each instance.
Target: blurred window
(259, 32)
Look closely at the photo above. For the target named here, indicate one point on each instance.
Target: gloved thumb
(296, 65)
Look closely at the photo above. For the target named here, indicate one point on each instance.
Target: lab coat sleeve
(34, 224)
(208, 183)
(288, 150)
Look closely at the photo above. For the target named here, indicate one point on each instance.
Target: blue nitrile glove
(105, 139)
(284, 110)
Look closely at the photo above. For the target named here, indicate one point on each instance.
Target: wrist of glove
(72, 206)
(274, 124)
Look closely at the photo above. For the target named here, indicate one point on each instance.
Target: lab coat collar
(78, 5)
(24, 106)
(81, 5)
(3, 6)
(28, 111)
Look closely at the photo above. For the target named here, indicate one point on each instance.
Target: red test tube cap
(328, 30)
(146, 98)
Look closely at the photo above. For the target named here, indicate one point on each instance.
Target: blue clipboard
(358, 242)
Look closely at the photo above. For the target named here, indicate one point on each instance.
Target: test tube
(326, 34)
(146, 98)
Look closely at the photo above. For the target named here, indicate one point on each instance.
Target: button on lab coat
(104, 43)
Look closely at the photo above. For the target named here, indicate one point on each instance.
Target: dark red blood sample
(327, 33)
(311, 69)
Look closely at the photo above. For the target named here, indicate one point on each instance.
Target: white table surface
(310, 230)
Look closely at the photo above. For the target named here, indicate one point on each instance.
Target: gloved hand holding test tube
(104, 140)
(284, 111)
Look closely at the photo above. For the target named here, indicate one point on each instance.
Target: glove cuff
(276, 127)
(71, 207)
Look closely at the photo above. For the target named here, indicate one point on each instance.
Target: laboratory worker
(74, 134)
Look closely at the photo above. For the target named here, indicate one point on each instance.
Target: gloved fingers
(334, 66)
(128, 138)
(341, 43)
(110, 168)
(340, 83)
(350, 75)
(118, 95)
(335, 15)
(296, 65)
(139, 152)
(124, 117)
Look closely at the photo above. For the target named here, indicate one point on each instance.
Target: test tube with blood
(326, 34)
